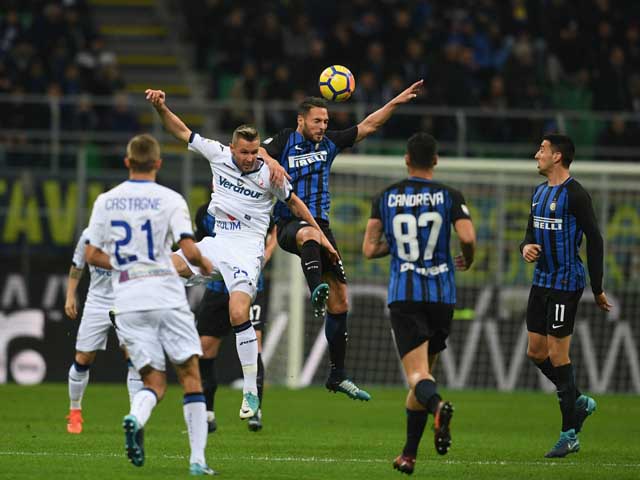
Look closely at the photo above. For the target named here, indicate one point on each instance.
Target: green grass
(312, 434)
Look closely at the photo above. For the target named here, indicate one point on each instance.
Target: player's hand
(602, 302)
(277, 173)
(206, 267)
(410, 93)
(156, 97)
(531, 252)
(70, 308)
(461, 263)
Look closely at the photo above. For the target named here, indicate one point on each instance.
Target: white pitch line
(499, 463)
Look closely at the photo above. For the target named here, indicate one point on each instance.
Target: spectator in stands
(617, 139)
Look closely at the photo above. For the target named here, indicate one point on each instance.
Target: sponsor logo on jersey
(545, 223)
(427, 272)
(415, 199)
(240, 188)
(230, 226)
(307, 159)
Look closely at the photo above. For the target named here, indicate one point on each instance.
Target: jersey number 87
(405, 231)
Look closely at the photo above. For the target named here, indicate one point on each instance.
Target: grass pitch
(313, 434)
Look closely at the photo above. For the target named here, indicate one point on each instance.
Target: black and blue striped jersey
(560, 215)
(416, 216)
(308, 164)
(205, 225)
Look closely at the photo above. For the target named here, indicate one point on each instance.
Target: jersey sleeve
(375, 207)
(79, 260)
(276, 144)
(581, 207)
(180, 221)
(97, 229)
(212, 150)
(343, 138)
(459, 209)
(282, 193)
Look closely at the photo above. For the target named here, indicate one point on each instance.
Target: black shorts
(287, 231)
(552, 312)
(212, 314)
(414, 323)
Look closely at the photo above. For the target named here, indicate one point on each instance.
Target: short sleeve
(375, 207)
(459, 209)
(79, 258)
(343, 138)
(97, 229)
(282, 193)
(276, 144)
(212, 150)
(180, 220)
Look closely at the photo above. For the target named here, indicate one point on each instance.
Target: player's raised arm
(174, 125)
(375, 120)
(374, 244)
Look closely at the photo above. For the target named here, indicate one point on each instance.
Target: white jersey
(137, 222)
(244, 199)
(100, 293)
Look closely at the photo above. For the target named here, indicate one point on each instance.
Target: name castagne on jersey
(415, 199)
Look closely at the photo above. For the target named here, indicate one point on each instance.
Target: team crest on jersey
(552, 207)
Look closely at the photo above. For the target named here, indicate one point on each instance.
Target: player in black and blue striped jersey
(411, 221)
(307, 154)
(561, 213)
(212, 321)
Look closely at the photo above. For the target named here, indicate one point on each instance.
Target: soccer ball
(336, 83)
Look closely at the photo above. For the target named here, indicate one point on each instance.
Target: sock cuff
(193, 398)
(417, 414)
(80, 368)
(241, 328)
(151, 391)
(310, 244)
(340, 317)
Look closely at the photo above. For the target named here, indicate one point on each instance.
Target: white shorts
(94, 330)
(237, 258)
(149, 334)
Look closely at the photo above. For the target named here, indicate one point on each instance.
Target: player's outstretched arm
(374, 121)
(192, 252)
(300, 210)
(70, 307)
(467, 236)
(174, 125)
(374, 244)
(97, 257)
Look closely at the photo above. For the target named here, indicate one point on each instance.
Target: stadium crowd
(495, 55)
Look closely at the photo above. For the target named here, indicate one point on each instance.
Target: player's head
(313, 118)
(244, 147)
(422, 151)
(555, 150)
(143, 154)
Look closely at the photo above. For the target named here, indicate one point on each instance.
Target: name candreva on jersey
(415, 199)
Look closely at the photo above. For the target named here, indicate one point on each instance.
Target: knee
(306, 234)
(238, 314)
(85, 358)
(416, 377)
(536, 356)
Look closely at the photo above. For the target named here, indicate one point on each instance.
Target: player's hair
(143, 151)
(311, 102)
(422, 149)
(564, 145)
(246, 132)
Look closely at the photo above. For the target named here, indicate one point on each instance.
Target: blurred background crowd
(490, 57)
